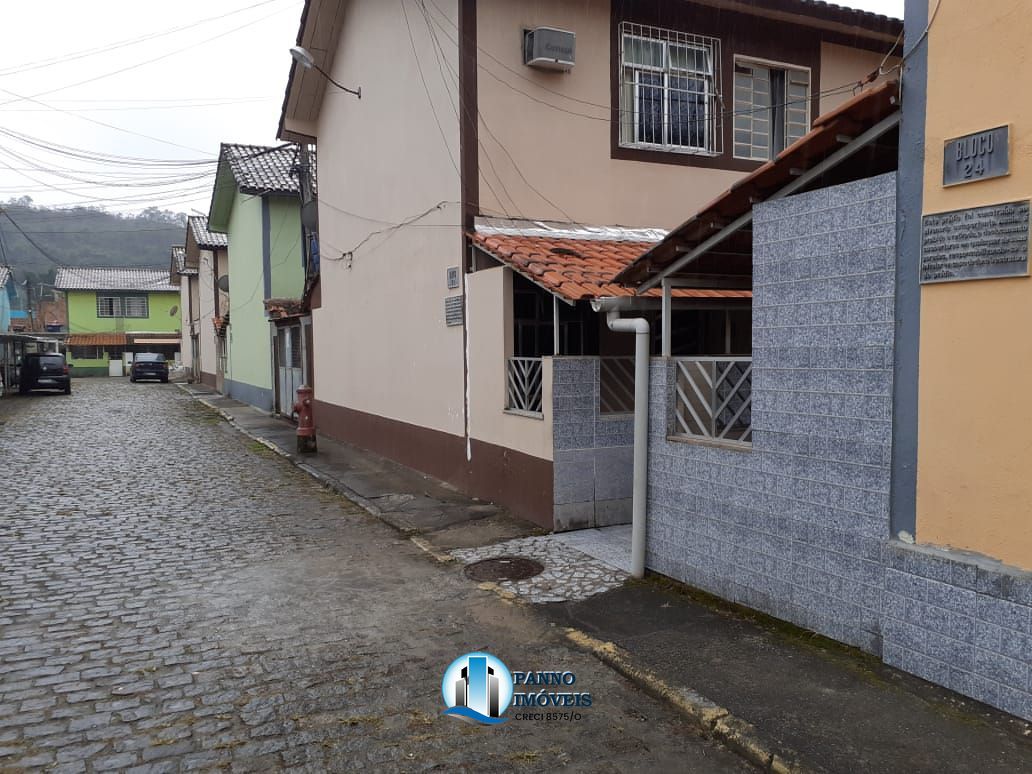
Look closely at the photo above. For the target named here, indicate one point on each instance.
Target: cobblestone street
(173, 597)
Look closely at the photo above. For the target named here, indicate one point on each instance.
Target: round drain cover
(504, 568)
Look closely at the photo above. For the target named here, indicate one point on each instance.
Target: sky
(86, 87)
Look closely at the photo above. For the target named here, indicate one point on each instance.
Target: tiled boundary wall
(593, 453)
(798, 526)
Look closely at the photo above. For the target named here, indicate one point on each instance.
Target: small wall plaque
(453, 310)
(978, 156)
(979, 243)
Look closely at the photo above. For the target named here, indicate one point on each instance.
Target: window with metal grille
(669, 90)
(122, 306)
(295, 346)
(772, 108)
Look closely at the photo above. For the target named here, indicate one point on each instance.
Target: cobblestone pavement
(569, 575)
(174, 597)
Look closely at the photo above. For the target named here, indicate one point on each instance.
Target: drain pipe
(640, 328)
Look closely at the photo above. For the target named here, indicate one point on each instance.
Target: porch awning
(96, 340)
(577, 263)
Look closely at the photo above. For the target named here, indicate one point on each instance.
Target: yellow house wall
(974, 490)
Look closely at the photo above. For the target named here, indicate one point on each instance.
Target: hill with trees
(84, 236)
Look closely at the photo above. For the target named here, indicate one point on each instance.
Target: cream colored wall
(489, 298)
(185, 344)
(381, 343)
(205, 312)
(974, 490)
(844, 66)
(567, 157)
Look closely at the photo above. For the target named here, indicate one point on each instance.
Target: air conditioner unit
(549, 48)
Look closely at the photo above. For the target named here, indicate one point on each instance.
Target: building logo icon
(477, 687)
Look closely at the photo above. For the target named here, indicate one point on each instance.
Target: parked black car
(44, 371)
(148, 365)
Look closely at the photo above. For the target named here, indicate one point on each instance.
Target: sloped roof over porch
(575, 262)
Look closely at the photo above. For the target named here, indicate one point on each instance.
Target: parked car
(148, 365)
(44, 371)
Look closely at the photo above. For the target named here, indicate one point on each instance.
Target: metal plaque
(978, 156)
(453, 277)
(979, 243)
(453, 310)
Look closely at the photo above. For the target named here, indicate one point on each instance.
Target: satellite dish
(173, 311)
(223, 283)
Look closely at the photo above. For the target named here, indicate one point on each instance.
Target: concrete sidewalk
(785, 698)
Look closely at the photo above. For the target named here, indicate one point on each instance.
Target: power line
(29, 239)
(42, 63)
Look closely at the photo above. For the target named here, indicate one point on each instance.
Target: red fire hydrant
(305, 420)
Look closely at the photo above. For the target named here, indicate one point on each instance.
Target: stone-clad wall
(593, 452)
(798, 526)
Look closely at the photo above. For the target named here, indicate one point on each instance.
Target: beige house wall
(566, 157)
(381, 343)
(205, 312)
(185, 344)
(489, 300)
(843, 66)
(974, 447)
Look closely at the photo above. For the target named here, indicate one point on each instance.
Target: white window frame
(120, 307)
(630, 72)
(770, 64)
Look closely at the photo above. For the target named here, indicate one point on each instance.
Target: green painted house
(256, 203)
(114, 313)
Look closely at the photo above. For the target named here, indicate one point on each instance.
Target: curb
(710, 718)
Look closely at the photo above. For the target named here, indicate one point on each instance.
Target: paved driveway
(174, 597)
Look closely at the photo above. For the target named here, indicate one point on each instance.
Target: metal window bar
(523, 384)
(616, 385)
(713, 398)
(670, 90)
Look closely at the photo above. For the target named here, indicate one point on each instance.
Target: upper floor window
(122, 306)
(772, 108)
(669, 90)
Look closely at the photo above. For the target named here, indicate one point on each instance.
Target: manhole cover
(504, 568)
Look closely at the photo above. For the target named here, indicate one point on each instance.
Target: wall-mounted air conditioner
(549, 48)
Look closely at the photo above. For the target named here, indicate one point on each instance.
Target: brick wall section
(798, 526)
(593, 453)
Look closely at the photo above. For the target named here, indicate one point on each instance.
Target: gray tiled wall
(798, 526)
(593, 452)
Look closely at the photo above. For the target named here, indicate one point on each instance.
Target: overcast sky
(95, 76)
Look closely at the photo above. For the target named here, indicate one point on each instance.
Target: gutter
(639, 326)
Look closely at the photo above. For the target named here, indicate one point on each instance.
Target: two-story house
(260, 338)
(114, 311)
(203, 261)
(510, 161)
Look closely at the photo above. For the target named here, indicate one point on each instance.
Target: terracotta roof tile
(578, 269)
(96, 340)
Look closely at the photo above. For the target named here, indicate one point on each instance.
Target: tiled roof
(94, 278)
(5, 274)
(581, 267)
(208, 240)
(96, 340)
(178, 256)
(258, 169)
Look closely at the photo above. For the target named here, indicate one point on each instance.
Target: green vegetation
(83, 236)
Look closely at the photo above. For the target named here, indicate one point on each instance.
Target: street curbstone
(709, 717)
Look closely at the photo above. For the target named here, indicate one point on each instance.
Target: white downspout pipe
(640, 328)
